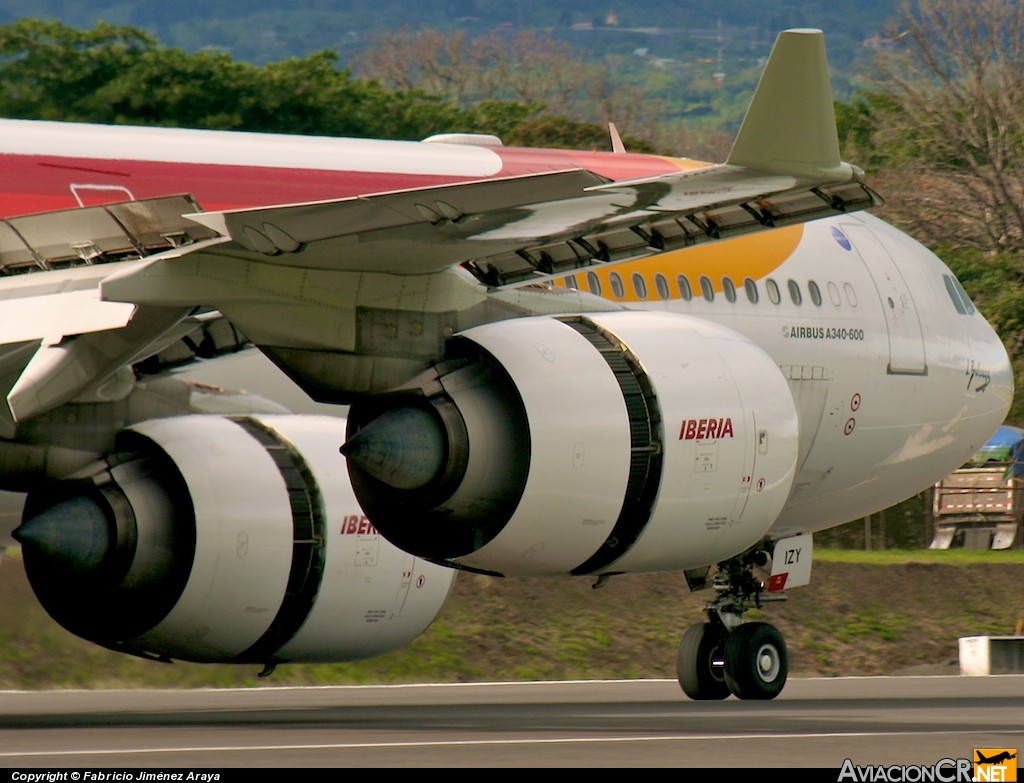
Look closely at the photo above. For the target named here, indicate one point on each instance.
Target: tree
(555, 131)
(121, 75)
(947, 107)
(528, 69)
(51, 71)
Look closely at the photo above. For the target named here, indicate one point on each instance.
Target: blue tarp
(1006, 445)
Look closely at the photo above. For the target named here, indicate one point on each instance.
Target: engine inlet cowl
(599, 443)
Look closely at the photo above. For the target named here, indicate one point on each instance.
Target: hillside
(697, 61)
(267, 30)
(854, 619)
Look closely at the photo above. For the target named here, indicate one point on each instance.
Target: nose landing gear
(726, 656)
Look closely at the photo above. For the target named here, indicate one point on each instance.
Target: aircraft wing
(58, 338)
(784, 168)
(518, 229)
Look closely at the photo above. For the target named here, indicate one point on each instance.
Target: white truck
(980, 505)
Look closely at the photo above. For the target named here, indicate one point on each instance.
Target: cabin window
(685, 290)
(750, 287)
(706, 289)
(833, 294)
(594, 283)
(729, 289)
(618, 289)
(794, 292)
(851, 295)
(570, 282)
(661, 284)
(773, 291)
(815, 292)
(640, 285)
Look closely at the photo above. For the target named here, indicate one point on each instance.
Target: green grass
(864, 625)
(864, 613)
(882, 557)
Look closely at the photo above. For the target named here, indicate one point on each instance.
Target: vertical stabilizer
(790, 125)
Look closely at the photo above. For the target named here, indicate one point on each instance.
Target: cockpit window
(954, 295)
(967, 300)
(961, 301)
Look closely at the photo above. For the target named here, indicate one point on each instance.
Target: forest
(261, 31)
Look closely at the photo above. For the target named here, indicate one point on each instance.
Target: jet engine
(592, 444)
(225, 539)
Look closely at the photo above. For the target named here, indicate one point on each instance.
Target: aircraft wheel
(755, 661)
(699, 676)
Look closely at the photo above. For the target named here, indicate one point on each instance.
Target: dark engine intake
(207, 538)
(581, 444)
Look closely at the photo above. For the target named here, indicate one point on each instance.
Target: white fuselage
(894, 385)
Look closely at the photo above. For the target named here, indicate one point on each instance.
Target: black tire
(698, 676)
(755, 661)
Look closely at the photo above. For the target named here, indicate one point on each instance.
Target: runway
(815, 723)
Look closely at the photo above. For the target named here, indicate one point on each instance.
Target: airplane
(557, 363)
(1001, 756)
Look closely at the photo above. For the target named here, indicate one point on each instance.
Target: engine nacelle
(216, 539)
(595, 444)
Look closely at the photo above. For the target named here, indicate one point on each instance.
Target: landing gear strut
(723, 656)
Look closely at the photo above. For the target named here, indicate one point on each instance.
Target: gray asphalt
(647, 723)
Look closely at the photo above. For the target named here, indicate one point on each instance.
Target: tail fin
(790, 125)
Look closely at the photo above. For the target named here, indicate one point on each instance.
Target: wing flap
(94, 235)
(57, 336)
(60, 372)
